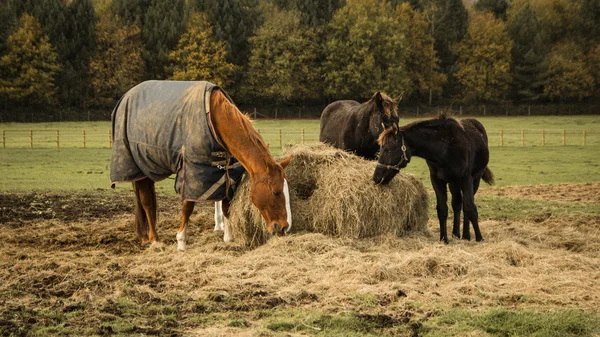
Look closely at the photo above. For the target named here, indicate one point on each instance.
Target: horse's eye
(276, 193)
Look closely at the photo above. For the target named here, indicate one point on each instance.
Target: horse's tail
(488, 176)
(141, 219)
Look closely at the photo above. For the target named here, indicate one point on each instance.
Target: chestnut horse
(172, 107)
(354, 127)
(457, 155)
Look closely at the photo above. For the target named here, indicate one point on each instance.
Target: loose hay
(332, 192)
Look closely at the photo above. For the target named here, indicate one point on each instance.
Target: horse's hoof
(445, 240)
(468, 238)
(180, 246)
(481, 239)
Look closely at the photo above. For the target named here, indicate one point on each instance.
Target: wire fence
(281, 137)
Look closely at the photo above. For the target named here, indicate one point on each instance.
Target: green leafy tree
(313, 12)
(164, 23)
(484, 62)
(558, 18)
(29, 67)
(8, 21)
(70, 27)
(118, 64)
(448, 23)
(529, 53)
(283, 65)
(588, 28)
(421, 60)
(233, 21)
(569, 78)
(199, 56)
(364, 51)
(498, 7)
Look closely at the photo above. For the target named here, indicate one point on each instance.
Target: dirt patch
(589, 192)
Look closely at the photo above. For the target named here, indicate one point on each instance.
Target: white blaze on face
(288, 208)
(219, 215)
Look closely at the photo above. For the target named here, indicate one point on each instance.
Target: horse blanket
(162, 128)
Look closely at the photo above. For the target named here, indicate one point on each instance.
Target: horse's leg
(227, 235)
(146, 197)
(219, 215)
(456, 207)
(470, 209)
(186, 211)
(466, 220)
(441, 194)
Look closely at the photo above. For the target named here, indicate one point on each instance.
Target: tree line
(81, 54)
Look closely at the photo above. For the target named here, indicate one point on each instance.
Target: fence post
(564, 137)
(280, 140)
(255, 113)
(110, 142)
(4, 138)
(543, 137)
(83, 134)
(58, 139)
(303, 136)
(30, 139)
(522, 137)
(501, 137)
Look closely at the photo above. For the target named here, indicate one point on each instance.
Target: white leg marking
(288, 208)
(181, 240)
(227, 235)
(219, 215)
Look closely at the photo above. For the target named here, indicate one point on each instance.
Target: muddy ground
(71, 264)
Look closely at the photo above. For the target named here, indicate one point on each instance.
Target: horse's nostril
(275, 228)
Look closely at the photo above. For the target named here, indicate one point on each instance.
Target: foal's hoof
(481, 239)
(445, 240)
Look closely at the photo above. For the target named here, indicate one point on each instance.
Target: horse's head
(394, 155)
(270, 194)
(385, 113)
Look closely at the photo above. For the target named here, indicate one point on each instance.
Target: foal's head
(384, 114)
(394, 155)
(270, 194)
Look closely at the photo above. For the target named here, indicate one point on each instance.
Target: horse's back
(334, 119)
(160, 127)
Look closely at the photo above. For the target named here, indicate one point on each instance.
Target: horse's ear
(379, 101)
(284, 163)
(399, 98)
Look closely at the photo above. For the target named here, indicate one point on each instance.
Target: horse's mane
(443, 118)
(235, 116)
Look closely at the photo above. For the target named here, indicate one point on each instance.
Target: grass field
(71, 264)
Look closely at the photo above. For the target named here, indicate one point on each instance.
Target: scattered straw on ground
(332, 192)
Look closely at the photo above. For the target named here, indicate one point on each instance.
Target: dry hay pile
(332, 192)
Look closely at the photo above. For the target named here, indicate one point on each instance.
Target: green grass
(504, 322)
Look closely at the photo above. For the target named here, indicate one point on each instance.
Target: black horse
(355, 127)
(457, 155)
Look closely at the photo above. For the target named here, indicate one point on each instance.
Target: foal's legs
(456, 207)
(466, 230)
(441, 194)
(186, 211)
(470, 209)
(146, 216)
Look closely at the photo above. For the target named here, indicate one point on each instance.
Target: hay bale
(332, 192)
